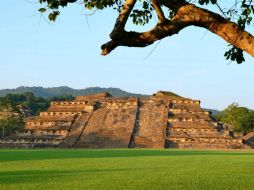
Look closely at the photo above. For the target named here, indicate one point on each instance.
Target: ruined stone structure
(163, 120)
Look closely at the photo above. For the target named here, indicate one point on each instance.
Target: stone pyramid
(164, 120)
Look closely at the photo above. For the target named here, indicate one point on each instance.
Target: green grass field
(126, 169)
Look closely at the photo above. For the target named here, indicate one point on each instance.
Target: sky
(34, 52)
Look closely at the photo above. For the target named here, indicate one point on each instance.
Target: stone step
(57, 125)
(66, 113)
(177, 111)
(188, 119)
(54, 118)
(206, 140)
(199, 135)
(192, 125)
(206, 145)
(187, 129)
(68, 103)
(76, 130)
(69, 108)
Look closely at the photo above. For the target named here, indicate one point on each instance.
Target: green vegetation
(241, 118)
(167, 93)
(10, 125)
(28, 104)
(229, 21)
(65, 91)
(10, 121)
(15, 107)
(25, 103)
(126, 169)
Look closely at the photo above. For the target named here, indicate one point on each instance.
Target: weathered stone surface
(76, 130)
(110, 126)
(249, 139)
(102, 121)
(95, 97)
(152, 125)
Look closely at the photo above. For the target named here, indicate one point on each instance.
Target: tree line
(15, 107)
(241, 118)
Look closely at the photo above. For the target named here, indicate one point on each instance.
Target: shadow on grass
(43, 154)
(33, 176)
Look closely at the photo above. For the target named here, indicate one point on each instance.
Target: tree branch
(159, 12)
(227, 30)
(174, 5)
(135, 39)
(67, 1)
(186, 15)
(122, 19)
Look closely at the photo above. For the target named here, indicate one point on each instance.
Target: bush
(240, 117)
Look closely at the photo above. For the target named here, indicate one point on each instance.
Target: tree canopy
(241, 118)
(172, 16)
(26, 104)
(10, 121)
(15, 107)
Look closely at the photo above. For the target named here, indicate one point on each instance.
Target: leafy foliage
(167, 93)
(10, 121)
(235, 54)
(240, 11)
(240, 117)
(26, 103)
(15, 107)
(99, 4)
(142, 16)
(202, 2)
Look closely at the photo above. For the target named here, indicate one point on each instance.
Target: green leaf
(52, 16)
(42, 10)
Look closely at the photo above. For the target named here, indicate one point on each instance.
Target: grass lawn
(114, 169)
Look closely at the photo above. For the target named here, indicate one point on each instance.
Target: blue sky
(34, 52)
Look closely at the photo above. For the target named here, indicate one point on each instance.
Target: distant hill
(214, 111)
(65, 90)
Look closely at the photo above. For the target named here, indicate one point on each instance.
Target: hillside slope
(64, 90)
